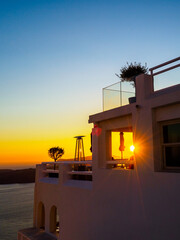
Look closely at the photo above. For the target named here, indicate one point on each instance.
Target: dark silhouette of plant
(129, 72)
(55, 153)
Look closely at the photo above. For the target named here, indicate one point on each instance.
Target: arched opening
(54, 221)
(41, 216)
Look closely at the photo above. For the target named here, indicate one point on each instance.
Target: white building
(125, 199)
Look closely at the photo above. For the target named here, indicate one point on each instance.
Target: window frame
(111, 165)
(164, 145)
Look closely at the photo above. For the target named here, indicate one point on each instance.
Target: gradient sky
(55, 58)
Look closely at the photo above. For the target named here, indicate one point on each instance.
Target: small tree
(55, 153)
(129, 72)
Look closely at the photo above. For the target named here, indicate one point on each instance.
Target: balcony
(65, 172)
(118, 94)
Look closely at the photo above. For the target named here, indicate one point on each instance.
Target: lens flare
(132, 148)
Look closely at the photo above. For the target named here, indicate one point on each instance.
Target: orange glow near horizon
(27, 136)
(29, 152)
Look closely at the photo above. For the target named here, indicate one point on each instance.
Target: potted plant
(129, 73)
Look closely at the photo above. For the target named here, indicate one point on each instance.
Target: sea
(16, 209)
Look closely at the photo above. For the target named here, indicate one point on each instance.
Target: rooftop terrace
(118, 94)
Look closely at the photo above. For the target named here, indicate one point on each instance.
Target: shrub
(129, 72)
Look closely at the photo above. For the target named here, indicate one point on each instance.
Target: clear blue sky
(56, 56)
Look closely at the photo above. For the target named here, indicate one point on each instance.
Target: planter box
(132, 100)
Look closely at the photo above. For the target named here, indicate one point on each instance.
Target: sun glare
(132, 148)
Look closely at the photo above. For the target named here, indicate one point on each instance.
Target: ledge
(112, 113)
(78, 184)
(35, 234)
(49, 180)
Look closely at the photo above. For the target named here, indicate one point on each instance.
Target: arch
(41, 216)
(54, 220)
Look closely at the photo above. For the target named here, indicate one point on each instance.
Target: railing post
(144, 87)
(64, 168)
(39, 171)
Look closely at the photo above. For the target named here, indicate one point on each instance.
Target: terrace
(118, 94)
(65, 172)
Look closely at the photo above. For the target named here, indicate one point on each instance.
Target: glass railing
(117, 95)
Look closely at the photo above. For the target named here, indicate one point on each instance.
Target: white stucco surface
(142, 203)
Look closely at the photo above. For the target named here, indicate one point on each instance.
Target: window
(171, 145)
(120, 145)
(116, 143)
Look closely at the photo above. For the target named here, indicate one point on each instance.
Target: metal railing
(162, 79)
(164, 64)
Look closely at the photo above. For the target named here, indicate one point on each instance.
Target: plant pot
(132, 100)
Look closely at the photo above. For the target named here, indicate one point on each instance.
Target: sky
(55, 58)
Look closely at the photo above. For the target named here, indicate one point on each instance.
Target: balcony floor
(36, 234)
